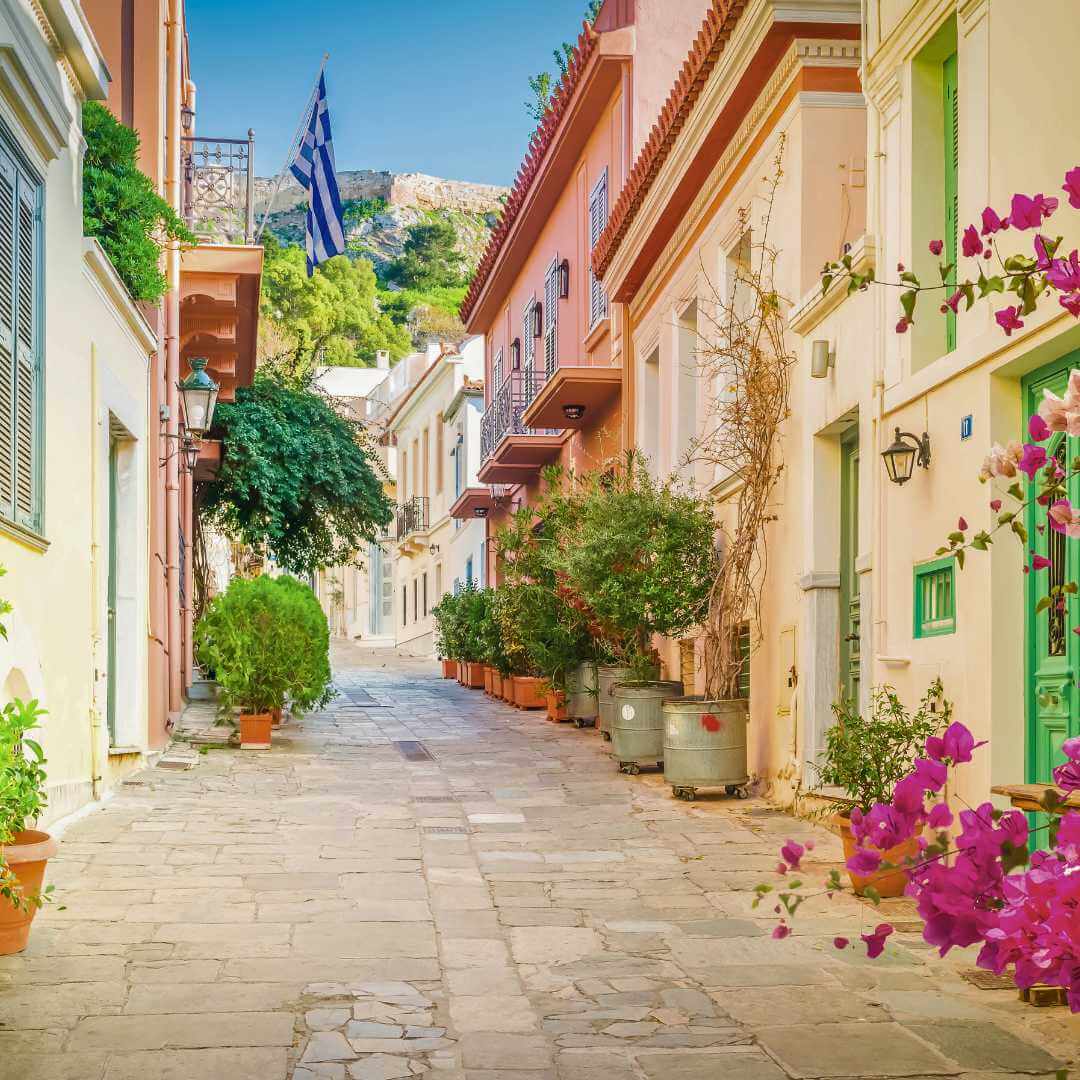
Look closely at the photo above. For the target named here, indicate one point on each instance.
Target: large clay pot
(26, 856)
(474, 676)
(255, 730)
(888, 883)
(705, 745)
(496, 684)
(489, 675)
(529, 692)
(449, 669)
(556, 706)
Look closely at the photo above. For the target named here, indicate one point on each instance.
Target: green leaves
(296, 478)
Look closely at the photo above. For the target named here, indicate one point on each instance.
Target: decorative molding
(75, 47)
(104, 276)
(969, 13)
(864, 564)
(827, 99)
(32, 540)
(819, 579)
(917, 26)
(815, 306)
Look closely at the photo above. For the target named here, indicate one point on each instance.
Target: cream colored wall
(95, 349)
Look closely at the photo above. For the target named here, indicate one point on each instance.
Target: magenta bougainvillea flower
(936, 247)
(840, 942)
(791, 853)
(1067, 776)
(940, 816)
(875, 942)
(781, 931)
(1064, 274)
(1030, 212)
(1040, 562)
(1037, 428)
(971, 242)
(864, 862)
(903, 324)
(1071, 303)
(1008, 318)
(1032, 460)
(1071, 187)
(955, 746)
(991, 223)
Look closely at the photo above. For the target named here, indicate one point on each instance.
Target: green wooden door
(1053, 651)
(850, 652)
(111, 597)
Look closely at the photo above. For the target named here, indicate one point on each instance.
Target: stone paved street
(419, 880)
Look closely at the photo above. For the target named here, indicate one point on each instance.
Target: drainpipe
(95, 592)
(173, 100)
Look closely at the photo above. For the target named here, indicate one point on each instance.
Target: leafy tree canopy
(332, 317)
(120, 206)
(430, 258)
(296, 477)
(543, 84)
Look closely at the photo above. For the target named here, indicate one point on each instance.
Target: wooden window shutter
(439, 453)
(26, 359)
(951, 105)
(551, 318)
(8, 186)
(598, 216)
(496, 373)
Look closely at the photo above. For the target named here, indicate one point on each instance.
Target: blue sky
(435, 86)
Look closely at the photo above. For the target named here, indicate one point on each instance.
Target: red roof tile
(538, 147)
(702, 58)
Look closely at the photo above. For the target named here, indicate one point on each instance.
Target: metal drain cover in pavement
(987, 980)
(447, 830)
(413, 751)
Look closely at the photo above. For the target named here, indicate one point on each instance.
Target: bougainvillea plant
(977, 881)
(1029, 278)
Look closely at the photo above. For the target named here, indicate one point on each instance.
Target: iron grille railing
(182, 568)
(412, 516)
(219, 188)
(503, 415)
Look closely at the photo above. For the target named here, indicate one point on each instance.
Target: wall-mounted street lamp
(822, 358)
(906, 452)
(564, 280)
(189, 447)
(199, 393)
(537, 319)
(187, 117)
(433, 550)
(480, 511)
(515, 354)
(573, 412)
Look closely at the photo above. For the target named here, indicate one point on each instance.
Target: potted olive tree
(24, 850)
(640, 562)
(865, 756)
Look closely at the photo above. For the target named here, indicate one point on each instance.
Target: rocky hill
(380, 206)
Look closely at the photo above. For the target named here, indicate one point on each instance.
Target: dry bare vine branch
(744, 358)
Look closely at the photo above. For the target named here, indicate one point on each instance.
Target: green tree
(121, 209)
(332, 317)
(543, 84)
(297, 479)
(430, 258)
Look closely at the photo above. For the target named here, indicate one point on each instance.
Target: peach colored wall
(664, 31)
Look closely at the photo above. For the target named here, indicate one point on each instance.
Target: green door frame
(1051, 651)
(850, 644)
(114, 487)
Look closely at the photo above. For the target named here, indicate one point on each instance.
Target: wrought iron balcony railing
(412, 517)
(219, 188)
(503, 415)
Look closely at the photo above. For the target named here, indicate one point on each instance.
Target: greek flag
(314, 169)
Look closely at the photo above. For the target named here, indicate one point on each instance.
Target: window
(551, 318)
(438, 582)
(425, 488)
(468, 573)
(404, 476)
(935, 598)
(951, 123)
(483, 564)
(20, 345)
(529, 346)
(425, 596)
(459, 465)
(598, 215)
(496, 372)
(439, 454)
(404, 605)
(415, 600)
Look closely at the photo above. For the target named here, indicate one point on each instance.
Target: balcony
(571, 396)
(220, 275)
(412, 525)
(512, 452)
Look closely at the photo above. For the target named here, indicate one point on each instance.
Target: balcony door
(850, 632)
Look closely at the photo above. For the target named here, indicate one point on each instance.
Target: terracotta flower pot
(276, 716)
(496, 684)
(529, 692)
(474, 676)
(888, 883)
(255, 730)
(26, 856)
(449, 669)
(556, 706)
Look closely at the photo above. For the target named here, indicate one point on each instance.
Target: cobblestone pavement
(419, 880)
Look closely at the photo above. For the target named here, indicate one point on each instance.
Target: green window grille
(951, 118)
(744, 652)
(935, 598)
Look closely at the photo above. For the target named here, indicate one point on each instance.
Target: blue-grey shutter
(26, 355)
(598, 216)
(551, 318)
(8, 186)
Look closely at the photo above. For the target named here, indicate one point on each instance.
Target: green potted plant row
(865, 756)
(268, 641)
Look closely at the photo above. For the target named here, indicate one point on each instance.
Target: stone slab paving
(497, 903)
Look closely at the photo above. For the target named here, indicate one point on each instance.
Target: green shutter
(26, 357)
(935, 598)
(952, 168)
(8, 185)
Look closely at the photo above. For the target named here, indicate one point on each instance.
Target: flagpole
(305, 119)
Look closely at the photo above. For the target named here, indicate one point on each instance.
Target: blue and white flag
(314, 169)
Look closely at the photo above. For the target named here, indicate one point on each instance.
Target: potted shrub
(448, 634)
(24, 851)
(266, 646)
(523, 685)
(473, 612)
(865, 757)
(639, 564)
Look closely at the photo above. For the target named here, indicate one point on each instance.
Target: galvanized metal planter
(582, 704)
(705, 745)
(637, 734)
(607, 675)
